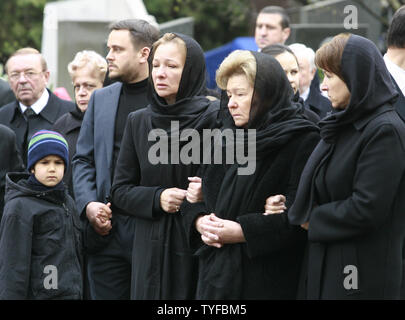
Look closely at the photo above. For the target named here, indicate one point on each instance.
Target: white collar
(397, 73)
(305, 94)
(39, 105)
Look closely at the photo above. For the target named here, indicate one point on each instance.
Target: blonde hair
(166, 38)
(27, 51)
(88, 58)
(238, 62)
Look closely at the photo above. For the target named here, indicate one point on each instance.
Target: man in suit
(35, 107)
(109, 242)
(6, 94)
(272, 26)
(309, 83)
(395, 57)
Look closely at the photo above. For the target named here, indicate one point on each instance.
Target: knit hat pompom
(45, 143)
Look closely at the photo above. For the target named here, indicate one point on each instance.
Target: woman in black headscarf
(243, 253)
(151, 173)
(351, 193)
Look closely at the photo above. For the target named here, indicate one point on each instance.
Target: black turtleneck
(133, 97)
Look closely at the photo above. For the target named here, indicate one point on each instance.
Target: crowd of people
(132, 191)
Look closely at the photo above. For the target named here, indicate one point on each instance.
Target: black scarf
(277, 120)
(372, 92)
(77, 113)
(190, 106)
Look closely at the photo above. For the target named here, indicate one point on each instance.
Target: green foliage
(216, 21)
(20, 25)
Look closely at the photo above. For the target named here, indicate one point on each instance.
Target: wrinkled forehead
(24, 62)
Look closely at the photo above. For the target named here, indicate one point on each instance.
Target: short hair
(143, 34)
(329, 56)
(396, 31)
(27, 51)
(301, 50)
(88, 58)
(285, 19)
(238, 62)
(276, 49)
(166, 38)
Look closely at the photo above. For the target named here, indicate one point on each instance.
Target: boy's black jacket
(40, 243)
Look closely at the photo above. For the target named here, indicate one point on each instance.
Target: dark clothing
(132, 98)
(355, 214)
(317, 103)
(11, 116)
(6, 94)
(109, 265)
(69, 126)
(267, 265)
(306, 112)
(162, 265)
(39, 229)
(399, 105)
(10, 159)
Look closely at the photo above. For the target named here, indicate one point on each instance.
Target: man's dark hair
(285, 19)
(396, 31)
(143, 34)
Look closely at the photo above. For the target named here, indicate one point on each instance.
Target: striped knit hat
(44, 143)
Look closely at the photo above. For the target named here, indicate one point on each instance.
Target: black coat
(39, 229)
(162, 264)
(267, 265)
(69, 126)
(10, 159)
(272, 255)
(11, 116)
(351, 190)
(6, 94)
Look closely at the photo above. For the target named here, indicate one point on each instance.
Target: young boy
(40, 233)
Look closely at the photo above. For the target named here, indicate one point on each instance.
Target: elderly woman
(87, 71)
(350, 196)
(150, 181)
(244, 254)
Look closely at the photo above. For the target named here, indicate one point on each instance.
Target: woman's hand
(217, 232)
(171, 199)
(275, 204)
(194, 192)
(305, 225)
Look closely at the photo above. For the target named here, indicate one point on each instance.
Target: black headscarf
(191, 105)
(276, 120)
(371, 90)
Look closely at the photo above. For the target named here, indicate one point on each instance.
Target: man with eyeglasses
(36, 107)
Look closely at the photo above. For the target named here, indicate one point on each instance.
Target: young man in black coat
(109, 260)
(35, 107)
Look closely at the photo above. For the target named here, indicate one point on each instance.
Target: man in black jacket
(110, 245)
(35, 107)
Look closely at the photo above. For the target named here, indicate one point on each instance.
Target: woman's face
(240, 93)
(338, 93)
(167, 68)
(85, 82)
(291, 69)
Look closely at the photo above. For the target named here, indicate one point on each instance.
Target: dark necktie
(29, 113)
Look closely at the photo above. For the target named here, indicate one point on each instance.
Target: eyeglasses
(30, 75)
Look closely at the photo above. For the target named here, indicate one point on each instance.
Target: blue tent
(214, 57)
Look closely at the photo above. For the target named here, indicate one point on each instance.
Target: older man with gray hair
(310, 93)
